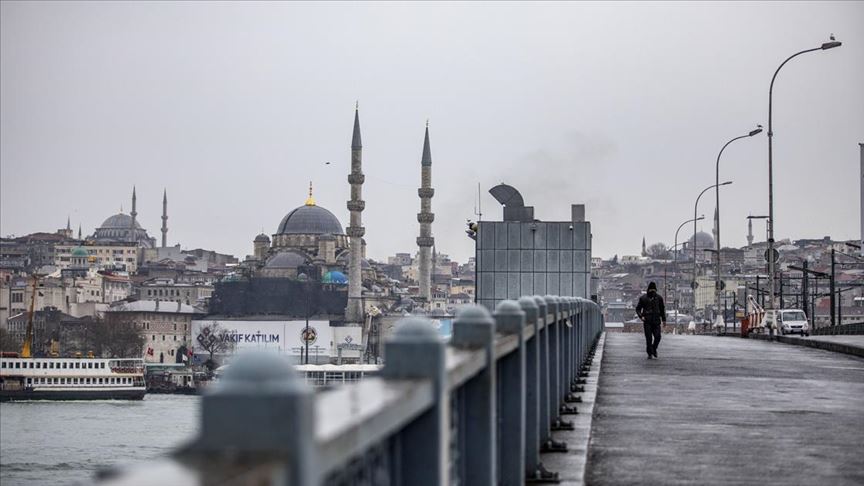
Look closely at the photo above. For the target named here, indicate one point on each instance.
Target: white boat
(71, 378)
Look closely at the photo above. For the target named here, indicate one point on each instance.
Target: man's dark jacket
(651, 308)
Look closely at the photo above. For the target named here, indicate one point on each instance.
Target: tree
(658, 251)
(214, 339)
(117, 337)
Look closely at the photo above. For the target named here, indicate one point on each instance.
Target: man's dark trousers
(652, 331)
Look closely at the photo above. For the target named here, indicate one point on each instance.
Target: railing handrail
(434, 405)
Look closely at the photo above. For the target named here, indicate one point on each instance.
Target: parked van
(793, 321)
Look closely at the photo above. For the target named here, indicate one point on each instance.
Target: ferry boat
(71, 378)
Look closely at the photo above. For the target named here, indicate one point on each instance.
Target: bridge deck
(726, 411)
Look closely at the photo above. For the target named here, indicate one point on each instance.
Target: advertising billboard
(285, 337)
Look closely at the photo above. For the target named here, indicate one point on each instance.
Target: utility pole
(831, 287)
(804, 288)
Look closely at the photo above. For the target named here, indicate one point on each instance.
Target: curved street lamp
(771, 265)
(700, 218)
(756, 131)
(695, 245)
(675, 252)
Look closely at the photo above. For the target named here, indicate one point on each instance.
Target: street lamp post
(771, 264)
(695, 210)
(756, 131)
(305, 279)
(675, 252)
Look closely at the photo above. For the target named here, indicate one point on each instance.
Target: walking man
(652, 311)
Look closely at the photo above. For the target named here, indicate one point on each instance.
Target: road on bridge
(723, 410)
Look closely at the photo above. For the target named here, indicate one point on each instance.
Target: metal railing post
(278, 417)
(554, 361)
(416, 352)
(511, 395)
(545, 419)
(474, 328)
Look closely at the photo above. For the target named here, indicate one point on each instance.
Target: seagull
(832, 37)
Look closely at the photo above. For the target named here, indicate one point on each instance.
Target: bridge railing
(477, 410)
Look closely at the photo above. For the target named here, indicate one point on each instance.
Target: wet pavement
(717, 410)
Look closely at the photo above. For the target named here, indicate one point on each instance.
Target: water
(47, 442)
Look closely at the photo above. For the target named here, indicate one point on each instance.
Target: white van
(793, 321)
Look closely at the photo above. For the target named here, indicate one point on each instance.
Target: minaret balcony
(425, 241)
(425, 217)
(425, 192)
(358, 178)
(356, 205)
(357, 231)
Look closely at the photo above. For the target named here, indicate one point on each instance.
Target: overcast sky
(235, 107)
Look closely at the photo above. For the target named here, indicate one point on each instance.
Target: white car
(793, 321)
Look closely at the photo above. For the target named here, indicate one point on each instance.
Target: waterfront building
(167, 290)
(166, 326)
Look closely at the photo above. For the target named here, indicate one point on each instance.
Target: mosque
(310, 246)
(310, 240)
(122, 227)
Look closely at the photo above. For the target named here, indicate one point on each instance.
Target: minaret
(164, 218)
(750, 232)
(425, 218)
(354, 312)
(644, 249)
(68, 224)
(79, 231)
(134, 215)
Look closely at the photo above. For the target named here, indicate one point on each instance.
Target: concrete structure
(517, 257)
(355, 232)
(425, 241)
(688, 420)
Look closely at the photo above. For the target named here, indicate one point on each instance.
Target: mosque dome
(262, 238)
(310, 219)
(703, 240)
(119, 221)
(285, 260)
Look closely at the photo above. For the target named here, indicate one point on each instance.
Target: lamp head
(725, 183)
(831, 45)
(758, 130)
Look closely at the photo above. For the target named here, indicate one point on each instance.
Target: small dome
(262, 238)
(285, 260)
(345, 259)
(310, 220)
(119, 221)
(335, 277)
(79, 252)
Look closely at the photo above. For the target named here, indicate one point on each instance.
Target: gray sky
(235, 107)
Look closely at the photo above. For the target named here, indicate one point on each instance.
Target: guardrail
(479, 410)
(853, 328)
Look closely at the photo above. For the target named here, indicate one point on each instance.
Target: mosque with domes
(309, 239)
(122, 227)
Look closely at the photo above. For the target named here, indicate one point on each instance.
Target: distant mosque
(308, 237)
(122, 227)
(311, 241)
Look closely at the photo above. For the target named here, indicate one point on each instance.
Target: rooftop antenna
(478, 209)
